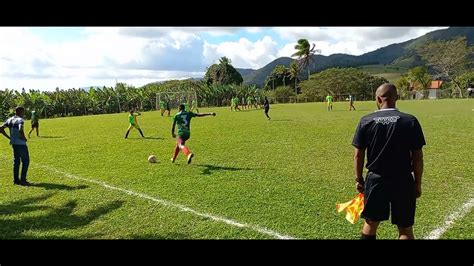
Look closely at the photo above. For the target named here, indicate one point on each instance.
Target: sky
(43, 58)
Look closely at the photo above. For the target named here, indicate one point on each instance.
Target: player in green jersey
(162, 107)
(34, 123)
(329, 99)
(194, 106)
(183, 120)
(133, 119)
(249, 102)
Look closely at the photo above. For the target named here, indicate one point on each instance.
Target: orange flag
(353, 208)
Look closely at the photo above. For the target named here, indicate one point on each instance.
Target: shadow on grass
(24, 205)
(153, 138)
(281, 120)
(208, 168)
(346, 110)
(171, 235)
(51, 137)
(51, 218)
(251, 110)
(49, 186)
(86, 236)
(139, 138)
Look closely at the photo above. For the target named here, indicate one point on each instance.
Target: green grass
(462, 229)
(390, 72)
(286, 174)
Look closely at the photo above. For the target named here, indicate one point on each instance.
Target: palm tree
(281, 71)
(7, 99)
(305, 53)
(293, 72)
(225, 61)
(224, 65)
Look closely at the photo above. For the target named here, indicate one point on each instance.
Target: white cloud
(157, 55)
(295, 33)
(158, 32)
(287, 50)
(253, 29)
(325, 47)
(94, 50)
(30, 62)
(142, 54)
(243, 53)
(351, 40)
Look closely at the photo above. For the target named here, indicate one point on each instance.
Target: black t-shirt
(389, 136)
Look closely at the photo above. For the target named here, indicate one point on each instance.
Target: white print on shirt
(386, 120)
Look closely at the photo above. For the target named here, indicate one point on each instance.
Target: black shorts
(390, 193)
(35, 124)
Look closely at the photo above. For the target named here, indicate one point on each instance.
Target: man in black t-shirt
(394, 142)
(266, 106)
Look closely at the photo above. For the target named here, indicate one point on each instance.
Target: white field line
(458, 214)
(163, 202)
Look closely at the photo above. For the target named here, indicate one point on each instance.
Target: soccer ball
(152, 159)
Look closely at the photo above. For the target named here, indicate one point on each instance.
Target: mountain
(245, 71)
(258, 76)
(397, 55)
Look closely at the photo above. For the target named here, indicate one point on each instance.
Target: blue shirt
(15, 124)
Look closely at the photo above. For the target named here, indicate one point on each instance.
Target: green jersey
(249, 100)
(162, 105)
(133, 118)
(329, 98)
(34, 117)
(183, 119)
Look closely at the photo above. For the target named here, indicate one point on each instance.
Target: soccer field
(250, 178)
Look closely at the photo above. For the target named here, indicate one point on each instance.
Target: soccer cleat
(25, 183)
(190, 157)
(172, 160)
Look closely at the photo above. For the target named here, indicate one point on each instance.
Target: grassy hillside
(402, 55)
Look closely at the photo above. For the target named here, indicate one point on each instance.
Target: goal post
(175, 98)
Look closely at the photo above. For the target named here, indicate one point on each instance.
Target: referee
(394, 142)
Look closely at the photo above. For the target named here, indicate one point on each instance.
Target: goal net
(174, 98)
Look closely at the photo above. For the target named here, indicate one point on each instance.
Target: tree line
(450, 60)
